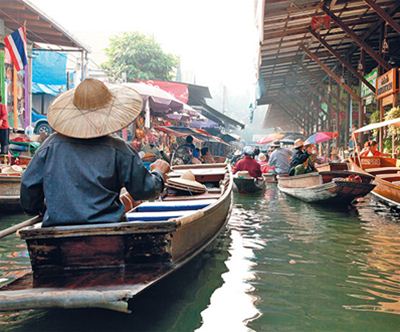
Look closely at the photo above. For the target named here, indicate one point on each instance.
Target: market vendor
(206, 156)
(77, 175)
(371, 150)
(248, 163)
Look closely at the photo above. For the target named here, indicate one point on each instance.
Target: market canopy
(218, 117)
(372, 126)
(199, 134)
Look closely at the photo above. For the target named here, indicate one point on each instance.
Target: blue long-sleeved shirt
(280, 158)
(78, 181)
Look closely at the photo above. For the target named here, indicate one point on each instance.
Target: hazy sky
(215, 39)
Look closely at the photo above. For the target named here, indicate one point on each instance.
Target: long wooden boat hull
(248, 185)
(387, 189)
(104, 266)
(10, 193)
(325, 187)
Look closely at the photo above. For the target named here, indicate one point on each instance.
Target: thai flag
(16, 44)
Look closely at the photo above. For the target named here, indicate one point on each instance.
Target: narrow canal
(282, 265)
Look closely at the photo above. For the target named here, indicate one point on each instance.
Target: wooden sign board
(386, 84)
(388, 100)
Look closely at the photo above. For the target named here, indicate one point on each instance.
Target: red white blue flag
(16, 44)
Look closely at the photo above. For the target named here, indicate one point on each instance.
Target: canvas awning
(218, 117)
(372, 126)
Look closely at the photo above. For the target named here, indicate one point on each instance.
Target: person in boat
(372, 151)
(237, 155)
(248, 163)
(366, 147)
(76, 176)
(308, 166)
(301, 155)
(186, 153)
(206, 156)
(256, 153)
(263, 161)
(280, 158)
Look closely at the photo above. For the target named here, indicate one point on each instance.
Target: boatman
(248, 163)
(77, 175)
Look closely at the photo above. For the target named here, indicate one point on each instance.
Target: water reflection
(232, 306)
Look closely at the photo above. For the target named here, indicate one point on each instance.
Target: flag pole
(15, 96)
(27, 97)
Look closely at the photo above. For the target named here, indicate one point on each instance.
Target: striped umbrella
(321, 137)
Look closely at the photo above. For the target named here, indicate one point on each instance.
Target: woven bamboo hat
(93, 109)
(187, 181)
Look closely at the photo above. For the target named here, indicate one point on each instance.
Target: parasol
(270, 138)
(321, 137)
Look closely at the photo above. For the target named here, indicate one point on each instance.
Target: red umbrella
(321, 137)
(270, 138)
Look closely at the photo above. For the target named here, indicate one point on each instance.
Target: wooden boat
(326, 186)
(387, 177)
(384, 169)
(105, 265)
(9, 192)
(246, 185)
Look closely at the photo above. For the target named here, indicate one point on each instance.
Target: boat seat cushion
(174, 205)
(156, 216)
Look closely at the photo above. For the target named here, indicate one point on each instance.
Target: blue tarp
(53, 90)
(49, 68)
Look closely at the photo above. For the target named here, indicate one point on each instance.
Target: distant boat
(248, 185)
(105, 265)
(326, 186)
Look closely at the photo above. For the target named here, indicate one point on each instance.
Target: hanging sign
(386, 84)
(366, 92)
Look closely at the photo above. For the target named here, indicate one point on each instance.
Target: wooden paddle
(14, 228)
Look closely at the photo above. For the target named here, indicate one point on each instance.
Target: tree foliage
(139, 56)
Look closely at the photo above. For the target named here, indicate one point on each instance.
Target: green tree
(139, 56)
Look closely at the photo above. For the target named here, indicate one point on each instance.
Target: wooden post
(15, 96)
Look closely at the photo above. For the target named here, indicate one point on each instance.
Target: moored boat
(9, 192)
(382, 168)
(105, 265)
(248, 185)
(340, 187)
(386, 177)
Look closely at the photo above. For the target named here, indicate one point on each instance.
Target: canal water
(281, 265)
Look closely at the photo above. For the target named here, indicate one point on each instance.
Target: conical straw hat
(93, 109)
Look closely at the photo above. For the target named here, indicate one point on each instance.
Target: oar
(14, 228)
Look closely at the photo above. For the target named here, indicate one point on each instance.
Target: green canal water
(281, 265)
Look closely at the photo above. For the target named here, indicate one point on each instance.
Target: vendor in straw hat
(80, 171)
